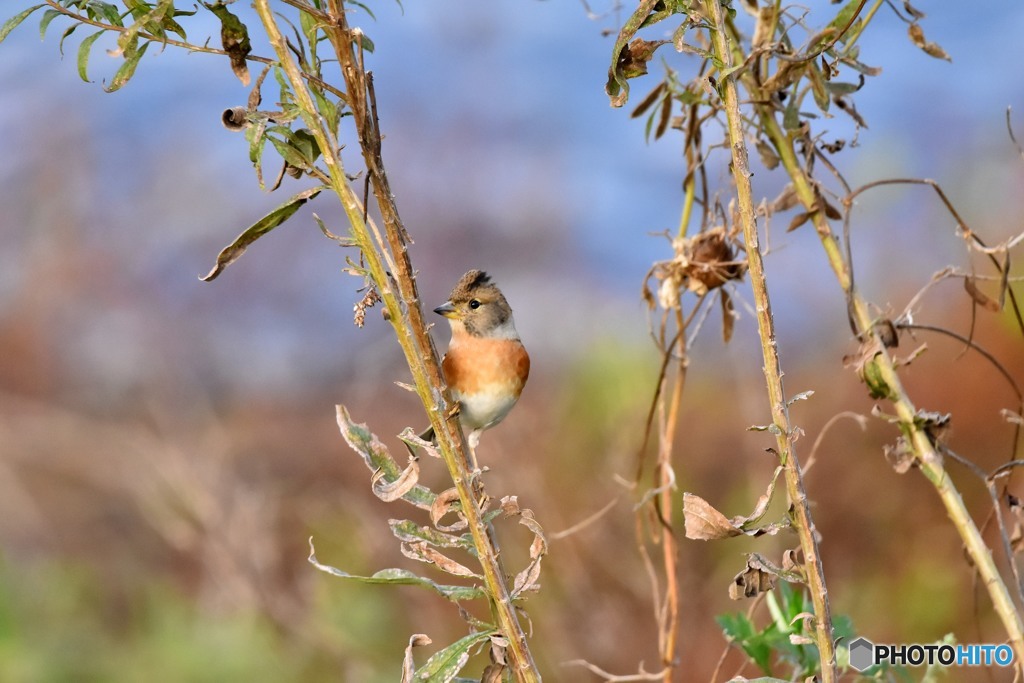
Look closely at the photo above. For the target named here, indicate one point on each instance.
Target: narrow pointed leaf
(67, 32)
(83, 55)
(233, 251)
(127, 70)
(401, 577)
(443, 665)
(13, 22)
(44, 24)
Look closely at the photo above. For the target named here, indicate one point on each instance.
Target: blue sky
(503, 153)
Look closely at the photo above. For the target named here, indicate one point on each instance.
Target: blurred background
(167, 446)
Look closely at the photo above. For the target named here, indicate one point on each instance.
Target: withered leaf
(648, 101)
(617, 86)
(846, 104)
(388, 489)
(798, 220)
(900, 456)
(758, 576)
(1017, 535)
(445, 664)
(916, 34)
(401, 577)
(634, 57)
(702, 522)
(831, 211)
(912, 11)
(408, 664)
(447, 501)
(235, 38)
(424, 553)
(986, 302)
(728, 316)
(664, 118)
(767, 153)
(410, 532)
(786, 200)
(377, 458)
(527, 578)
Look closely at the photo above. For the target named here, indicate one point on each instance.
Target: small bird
(486, 365)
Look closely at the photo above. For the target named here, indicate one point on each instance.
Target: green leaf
(233, 251)
(328, 110)
(48, 16)
(401, 577)
(13, 22)
(444, 664)
(67, 32)
(104, 10)
(127, 70)
(83, 55)
(739, 629)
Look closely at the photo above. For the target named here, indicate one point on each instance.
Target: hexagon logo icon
(862, 654)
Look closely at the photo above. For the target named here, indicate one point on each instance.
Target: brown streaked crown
(490, 310)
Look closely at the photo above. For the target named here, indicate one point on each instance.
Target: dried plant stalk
(772, 370)
(389, 267)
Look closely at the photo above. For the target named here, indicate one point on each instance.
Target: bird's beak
(447, 309)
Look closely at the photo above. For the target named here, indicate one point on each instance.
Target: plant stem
(928, 458)
(406, 316)
(772, 370)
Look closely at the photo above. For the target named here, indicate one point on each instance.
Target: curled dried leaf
(986, 302)
(705, 523)
(916, 34)
(408, 664)
(410, 532)
(767, 153)
(235, 119)
(424, 553)
(759, 576)
(388, 489)
(377, 458)
(900, 456)
(527, 578)
(446, 502)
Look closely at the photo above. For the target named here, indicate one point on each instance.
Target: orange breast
(486, 377)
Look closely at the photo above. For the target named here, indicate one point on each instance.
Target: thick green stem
(772, 369)
(403, 308)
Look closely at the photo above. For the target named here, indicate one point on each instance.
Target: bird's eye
(474, 304)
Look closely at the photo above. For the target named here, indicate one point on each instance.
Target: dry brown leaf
(767, 153)
(408, 664)
(424, 553)
(986, 302)
(900, 456)
(393, 490)
(798, 220)
(759, 576)
(916, 34)
(751, 582)
(702, 522)
(446, 502)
